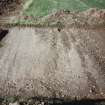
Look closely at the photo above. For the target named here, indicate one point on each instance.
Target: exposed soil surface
(66, 62)
(48, 63)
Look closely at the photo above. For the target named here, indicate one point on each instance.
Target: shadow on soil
(3, 33)
(45, 101)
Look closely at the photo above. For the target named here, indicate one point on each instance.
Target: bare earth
(48, 63)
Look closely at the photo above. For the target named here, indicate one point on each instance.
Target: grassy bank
(35, 12)
(45, 7)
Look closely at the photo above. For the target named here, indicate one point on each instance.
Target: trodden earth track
(47, 63)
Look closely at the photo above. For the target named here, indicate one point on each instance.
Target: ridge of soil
(91, 18)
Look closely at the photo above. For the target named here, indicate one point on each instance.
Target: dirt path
(45, 62)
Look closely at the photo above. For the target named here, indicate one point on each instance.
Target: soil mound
(9, 6)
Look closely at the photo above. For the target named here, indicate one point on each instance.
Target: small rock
(42, 103)
(15, 103)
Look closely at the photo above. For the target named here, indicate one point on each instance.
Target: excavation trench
(45, 62)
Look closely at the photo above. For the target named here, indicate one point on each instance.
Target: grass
(39, 8)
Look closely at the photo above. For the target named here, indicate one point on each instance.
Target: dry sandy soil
(48, 63)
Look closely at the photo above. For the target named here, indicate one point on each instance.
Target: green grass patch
(39, 8)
